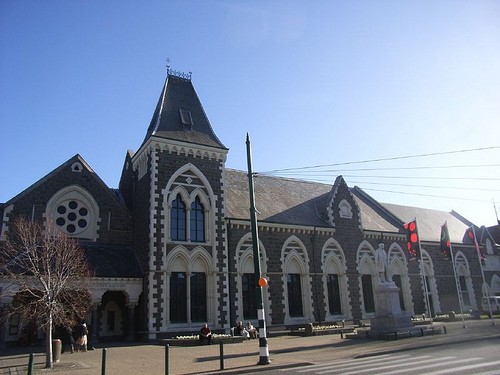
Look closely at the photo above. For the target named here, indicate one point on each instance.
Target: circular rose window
(72, 216)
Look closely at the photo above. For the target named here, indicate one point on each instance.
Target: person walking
(82, 340)
(68, 338)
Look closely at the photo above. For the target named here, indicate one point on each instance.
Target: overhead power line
(382, 159)
(429, 195)
(429, 177)
(326, 174)
(426, 186)
(321, 172)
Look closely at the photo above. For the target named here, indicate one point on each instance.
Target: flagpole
(485, 286)
(426, 300)
(460, 299)
(495, 208)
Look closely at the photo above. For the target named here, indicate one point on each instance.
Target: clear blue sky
(314, 83)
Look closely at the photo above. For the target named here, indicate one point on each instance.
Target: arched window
(466, 288)
(188, 299)
(398, 269)
(431, 284)
(178, 288)
(367, 277)
(178, 220)
(197, 224)
(297, 281)
(198, 296)
(295, 308)
(246, 281)
(334, 280)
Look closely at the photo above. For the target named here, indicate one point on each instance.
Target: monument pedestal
(389, 317)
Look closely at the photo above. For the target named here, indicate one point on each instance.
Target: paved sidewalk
(285, 351)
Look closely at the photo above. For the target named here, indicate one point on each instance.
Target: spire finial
(168, 65)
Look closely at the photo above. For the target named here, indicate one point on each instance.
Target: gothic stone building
(172, 246)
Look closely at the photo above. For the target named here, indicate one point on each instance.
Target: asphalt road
(461, 358)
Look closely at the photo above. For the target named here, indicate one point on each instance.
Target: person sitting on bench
(205, 334)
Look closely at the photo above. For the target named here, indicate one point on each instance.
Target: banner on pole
(471, 234)
(412, 240)
(445, 242)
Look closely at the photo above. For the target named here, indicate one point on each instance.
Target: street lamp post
(264, 350)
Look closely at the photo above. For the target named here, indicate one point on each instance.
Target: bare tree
(48, 273)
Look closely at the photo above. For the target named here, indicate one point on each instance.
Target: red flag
(471, 234)
(445, 242)
(412, 240)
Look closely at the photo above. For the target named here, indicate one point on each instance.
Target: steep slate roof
(296, 202)
(495, 233)
(67, 164)
(373, 220)
(278, 200)
(430, 221)
(179, 94)
(111, 260)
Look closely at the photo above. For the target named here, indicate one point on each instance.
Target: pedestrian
(82, 339)
(68, 338)
(89, 338)
(205, 334)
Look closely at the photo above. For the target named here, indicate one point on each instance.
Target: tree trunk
(48, 343)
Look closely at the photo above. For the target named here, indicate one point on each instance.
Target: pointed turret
(179, 114)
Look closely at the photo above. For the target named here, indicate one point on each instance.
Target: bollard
(341, 334)
(103, 368)
(30, 364)
(421, 331)
(444, 329)
(221, 349)
(166, 358)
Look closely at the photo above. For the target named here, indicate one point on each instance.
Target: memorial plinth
(389, 317)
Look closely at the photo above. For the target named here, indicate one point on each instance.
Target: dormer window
(186, 118)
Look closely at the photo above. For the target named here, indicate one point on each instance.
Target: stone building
(172, 246)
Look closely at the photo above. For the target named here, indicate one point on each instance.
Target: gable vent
(186, 118)
(76, 167)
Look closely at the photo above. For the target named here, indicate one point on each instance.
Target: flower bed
(193, 340)
(332, 329)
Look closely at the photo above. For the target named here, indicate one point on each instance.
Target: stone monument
(389, 317)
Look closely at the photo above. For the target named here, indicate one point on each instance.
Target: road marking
(310, 368)
(432, 365)
(400, 364)
(370, 365)
(488, 373)
(462, 368)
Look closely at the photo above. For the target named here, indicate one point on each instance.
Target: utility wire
(429, 177)
(426, 186)
(315, 174)
(429, 195)
(383, 159)
(386, 169)
(325, 177)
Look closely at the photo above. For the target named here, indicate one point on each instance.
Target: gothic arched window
(178, 220)
(197, 224)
